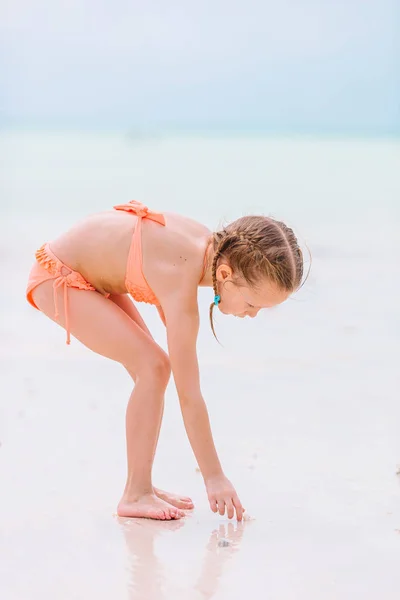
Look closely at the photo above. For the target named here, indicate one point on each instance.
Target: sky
(288, 65)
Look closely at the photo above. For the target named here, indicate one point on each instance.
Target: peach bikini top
(135, 280)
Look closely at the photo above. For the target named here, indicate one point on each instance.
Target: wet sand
(325, 505)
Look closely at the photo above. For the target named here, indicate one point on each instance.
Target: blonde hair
(255, 248)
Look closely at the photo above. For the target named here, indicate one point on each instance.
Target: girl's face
(241, 300)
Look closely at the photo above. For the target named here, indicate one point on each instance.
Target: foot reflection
(149, 576)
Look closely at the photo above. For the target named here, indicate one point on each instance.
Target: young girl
(82, 281)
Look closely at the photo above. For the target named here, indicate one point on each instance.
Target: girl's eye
(251, 306)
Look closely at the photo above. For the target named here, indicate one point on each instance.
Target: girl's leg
(105, 328)
(124, 302)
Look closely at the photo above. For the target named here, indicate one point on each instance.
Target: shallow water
(303, 400)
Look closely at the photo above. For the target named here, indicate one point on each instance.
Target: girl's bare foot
(148, 506)
(179, 501)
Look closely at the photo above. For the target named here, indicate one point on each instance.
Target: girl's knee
(160, 368)
(155, 367)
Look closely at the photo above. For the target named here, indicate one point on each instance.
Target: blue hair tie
(217, 300)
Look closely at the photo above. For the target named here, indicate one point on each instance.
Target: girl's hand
(221, 495)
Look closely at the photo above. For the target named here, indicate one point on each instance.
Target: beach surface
(304, 400)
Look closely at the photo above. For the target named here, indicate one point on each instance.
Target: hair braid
(222, 239)
(258, 247)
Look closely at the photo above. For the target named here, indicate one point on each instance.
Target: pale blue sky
(282, 65)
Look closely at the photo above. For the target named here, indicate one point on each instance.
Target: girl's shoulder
(174, 255)
(185, 226)
(180, 235)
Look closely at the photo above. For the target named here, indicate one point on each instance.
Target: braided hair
(258, 247)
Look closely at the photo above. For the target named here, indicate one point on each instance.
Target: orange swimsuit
(135, 281)
(48, 266)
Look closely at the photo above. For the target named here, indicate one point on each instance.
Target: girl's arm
(182, 330)
(182, 321)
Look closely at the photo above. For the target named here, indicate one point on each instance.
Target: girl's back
(98, 247)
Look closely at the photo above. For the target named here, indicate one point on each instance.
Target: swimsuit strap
(141, 211)
(62, 281)
(135, 280)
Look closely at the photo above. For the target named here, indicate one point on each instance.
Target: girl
(82, 281)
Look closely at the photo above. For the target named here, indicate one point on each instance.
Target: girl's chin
(228, 312)
(237, 316)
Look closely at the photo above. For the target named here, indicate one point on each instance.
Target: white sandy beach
(304, 401)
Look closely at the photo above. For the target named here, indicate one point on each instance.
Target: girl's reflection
(222, 545)
(147, 572)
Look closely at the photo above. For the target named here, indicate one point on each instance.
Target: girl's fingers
(231, 504)
(239, 508)
(230, 509)
(221, 506)
(213, 504)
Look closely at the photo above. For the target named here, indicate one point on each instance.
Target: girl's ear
(224, 273)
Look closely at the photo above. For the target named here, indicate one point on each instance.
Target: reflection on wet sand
(148, 575)
(222, 545)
